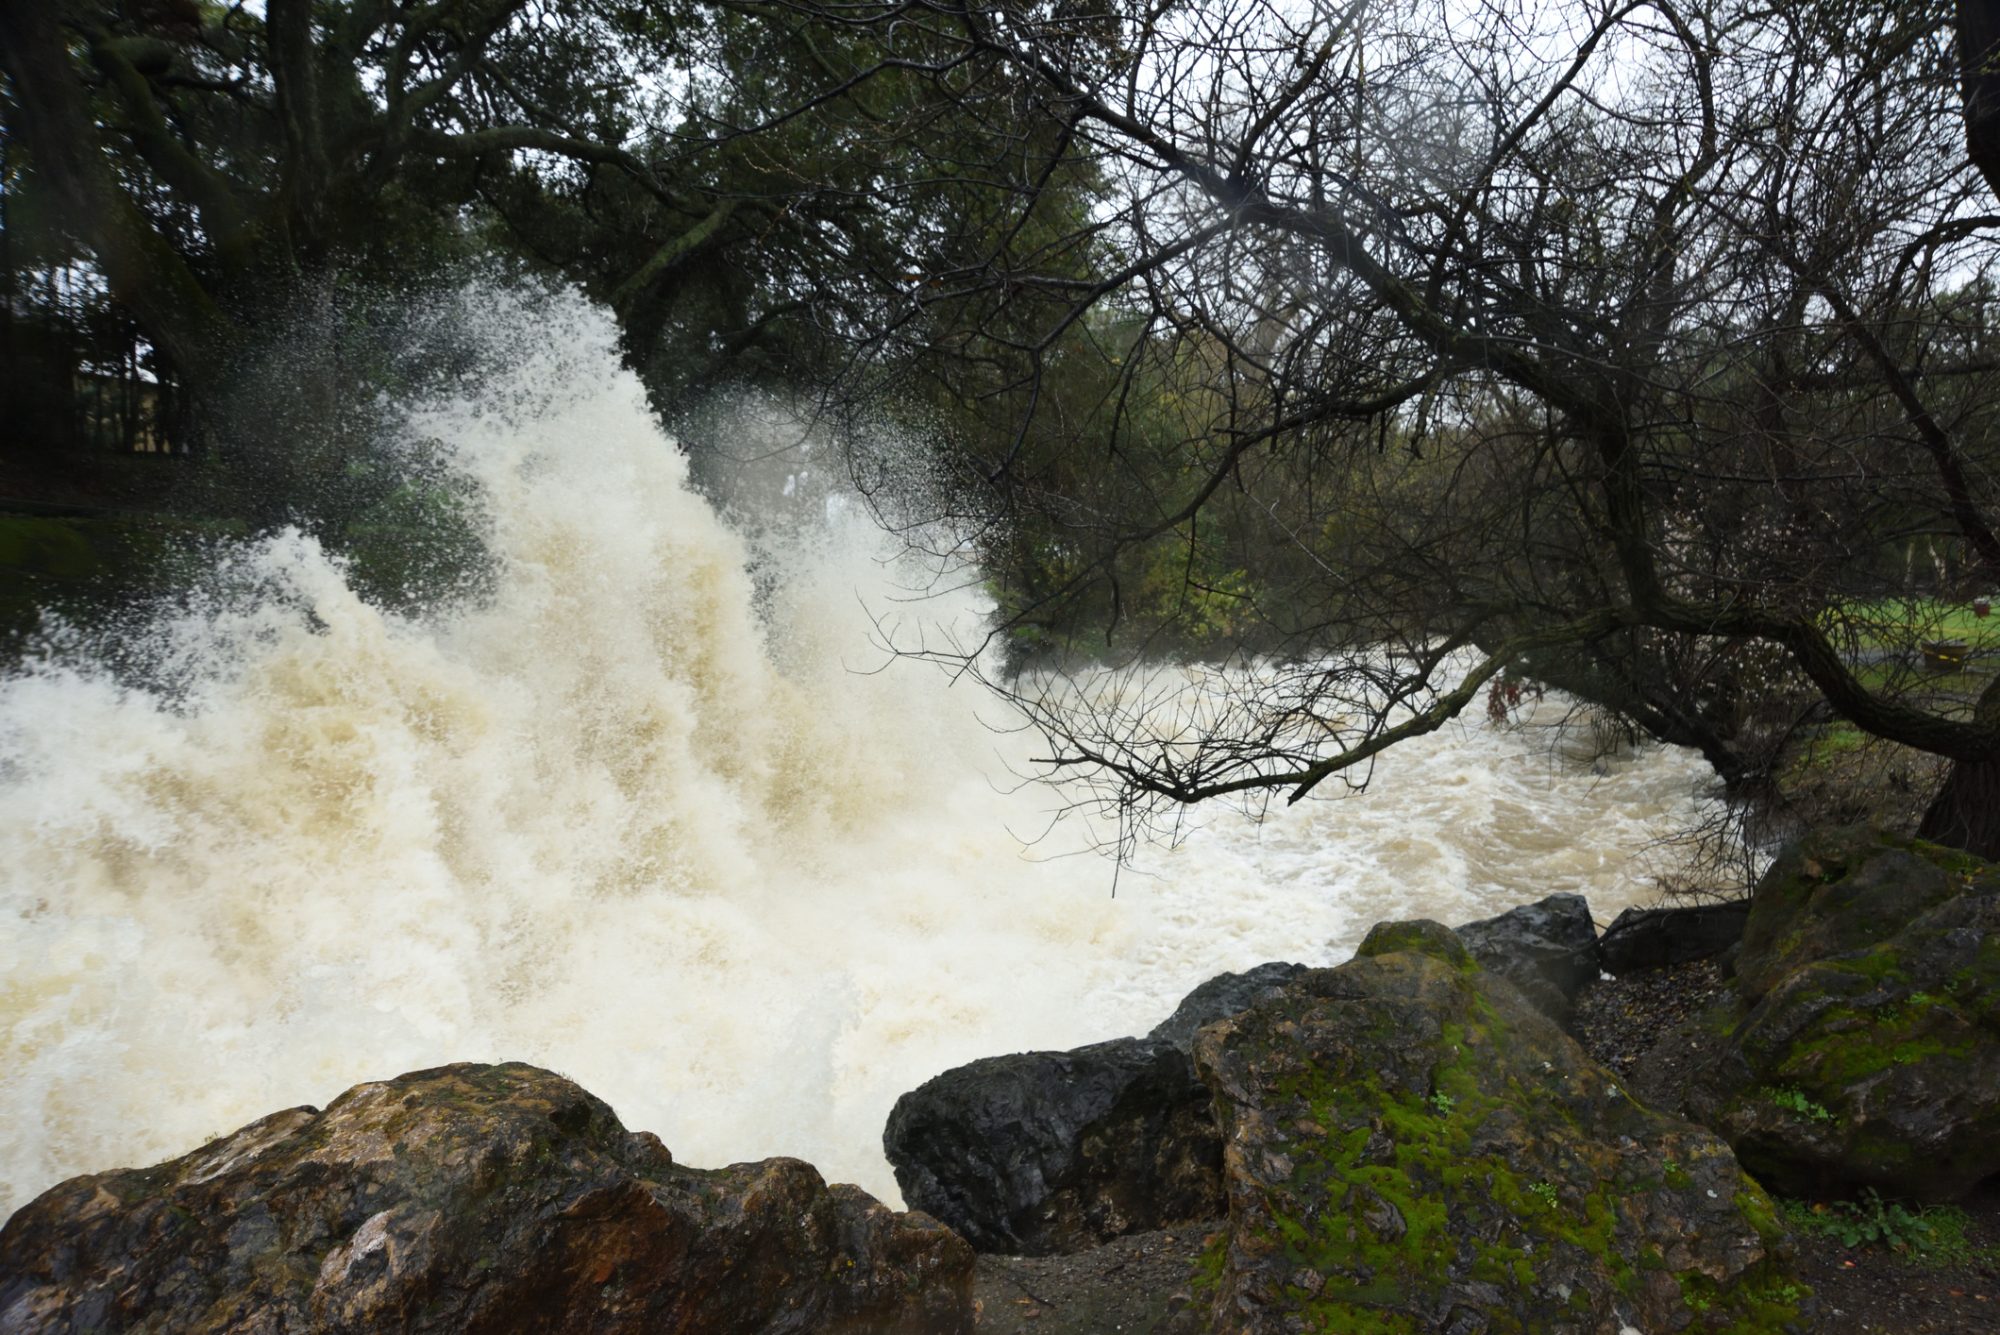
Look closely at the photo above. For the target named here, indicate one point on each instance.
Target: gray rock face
(1221, 997)
(1656, 938)
(1045, 1152)
(471, 1199)
(1410, 1146)
(1866, 1049)
(1837, 891)
(1547, 949)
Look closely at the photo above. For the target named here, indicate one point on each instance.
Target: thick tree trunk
(295, 73)
(1979, 84)
(148, 276)
(1966, 812)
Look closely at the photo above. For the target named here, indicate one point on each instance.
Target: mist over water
(711, 854)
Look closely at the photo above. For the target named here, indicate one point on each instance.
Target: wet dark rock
(1045, 1152)
(1145, 1283)
(1842, 890)
(471, 1199)
(1865, 1049)
(1436, 1154)
(1221, 997)
(1640, 939)
(1547, 949)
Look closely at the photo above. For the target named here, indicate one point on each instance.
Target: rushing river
(627, 819)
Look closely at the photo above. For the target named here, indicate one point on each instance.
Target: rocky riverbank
(1410, 1144)
(471, 1199)
(1141, 1284)
(1472, 1131)
(1635, 1024)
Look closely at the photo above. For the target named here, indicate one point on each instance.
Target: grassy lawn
(1842, 773)
(1885, 641)
(1904, 675)
(1899, 624)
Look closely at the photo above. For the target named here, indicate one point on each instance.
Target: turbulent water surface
(625, 818)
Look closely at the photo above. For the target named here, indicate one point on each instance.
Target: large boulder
(1547, 949)
(1221, 997)
(1843, 890)
(1044, 1152)
(1660, 938)
(1411, 1147)
(1865, 1050)
(471, 1199)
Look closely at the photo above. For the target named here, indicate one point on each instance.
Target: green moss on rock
(1418, 936)
(1844, 890)
(1879, 1003)
(1412, 1146)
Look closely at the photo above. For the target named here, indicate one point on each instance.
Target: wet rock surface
(1220, 997)
(1547, 949)
(1865, 1050)
(469, 1199)
(1410, 1146)
(1133, 1284)
(1658, 938)
(1631, 1023)
(1845, 890)
(1043, 1152)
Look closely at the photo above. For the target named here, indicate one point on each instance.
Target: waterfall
(715, 854)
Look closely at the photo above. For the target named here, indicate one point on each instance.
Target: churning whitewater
(711, 853)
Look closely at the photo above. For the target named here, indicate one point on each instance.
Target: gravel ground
(1139, 1285)
(1627, 1024)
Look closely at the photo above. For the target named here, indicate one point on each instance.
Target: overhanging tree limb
(673, 253)
(146, 272)
(1979, 84)
(222, 214)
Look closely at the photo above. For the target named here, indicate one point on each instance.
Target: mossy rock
(1875, 1067)
(1419, 936)
(1843, 890)
(1411, 1147)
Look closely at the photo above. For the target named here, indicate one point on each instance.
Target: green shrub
(1935, 1234)
(1792, 1100)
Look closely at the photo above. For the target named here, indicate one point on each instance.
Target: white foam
(595, 823)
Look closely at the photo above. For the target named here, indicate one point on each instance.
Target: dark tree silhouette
(1640, 347)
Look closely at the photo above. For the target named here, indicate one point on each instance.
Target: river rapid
(696, 841)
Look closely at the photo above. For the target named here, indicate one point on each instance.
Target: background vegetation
(1418, 350)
